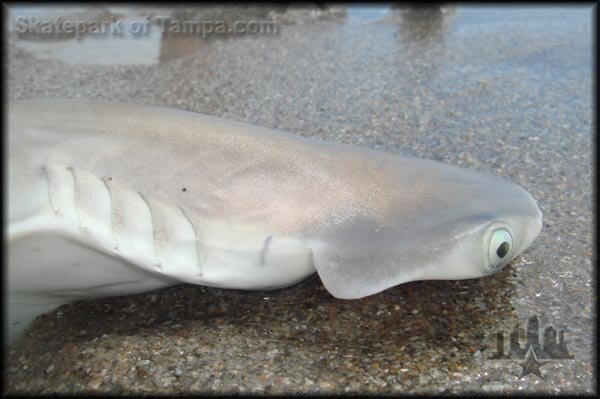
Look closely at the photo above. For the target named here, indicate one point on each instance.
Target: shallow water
(152, 45)
(502, 89)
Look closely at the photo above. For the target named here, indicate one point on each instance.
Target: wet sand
(504, 90)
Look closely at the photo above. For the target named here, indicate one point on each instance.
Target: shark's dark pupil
(503, 249)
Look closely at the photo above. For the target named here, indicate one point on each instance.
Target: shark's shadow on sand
(451, 318)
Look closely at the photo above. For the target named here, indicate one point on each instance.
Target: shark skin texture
(113, 199)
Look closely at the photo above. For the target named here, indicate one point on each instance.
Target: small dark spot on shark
(184, 189)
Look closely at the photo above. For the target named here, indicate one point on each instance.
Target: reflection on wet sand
(415, 24)
(178, 46)
(422, 23)
(108, 37)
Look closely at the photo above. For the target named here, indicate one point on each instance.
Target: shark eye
(499, 248)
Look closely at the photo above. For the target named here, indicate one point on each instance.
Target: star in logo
(531, 365)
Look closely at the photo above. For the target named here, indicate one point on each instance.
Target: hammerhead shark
(113, 199)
